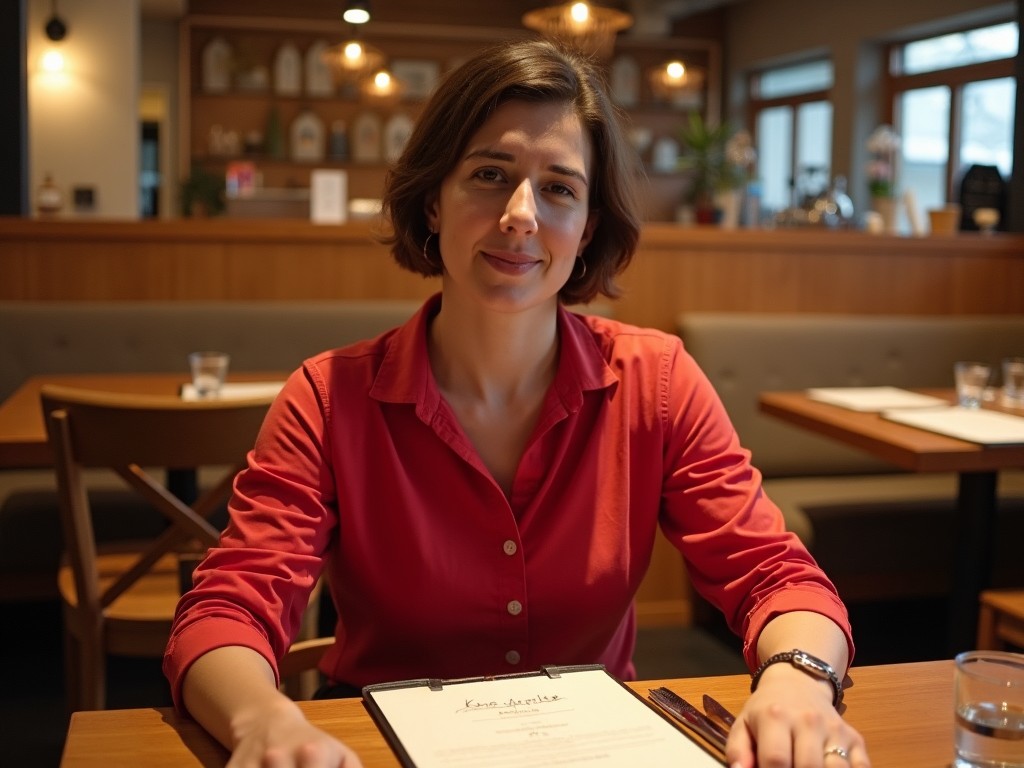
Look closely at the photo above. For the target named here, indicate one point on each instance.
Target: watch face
(812, 663)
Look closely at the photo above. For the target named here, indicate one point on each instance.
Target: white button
(512, 657)
(510, 547)
(515, 607)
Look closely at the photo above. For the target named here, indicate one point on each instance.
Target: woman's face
(514, 213)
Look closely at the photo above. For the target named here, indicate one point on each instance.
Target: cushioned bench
(103, 337)
(878, 532)
(69, 337)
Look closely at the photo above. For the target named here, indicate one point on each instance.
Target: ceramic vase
(888, 209)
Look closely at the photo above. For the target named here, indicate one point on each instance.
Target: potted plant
(882, 146)
(202, 194)
(719, 158)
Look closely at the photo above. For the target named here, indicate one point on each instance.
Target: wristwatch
(805, 662)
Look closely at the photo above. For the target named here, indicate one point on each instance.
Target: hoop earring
(583, 272)
(426, 256)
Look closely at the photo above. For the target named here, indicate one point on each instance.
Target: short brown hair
(534, 71)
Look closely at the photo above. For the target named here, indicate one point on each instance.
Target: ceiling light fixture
(55, 27)
(352, 59)
(589, 28)
(675, 81)
(357, 11)
(382, 86)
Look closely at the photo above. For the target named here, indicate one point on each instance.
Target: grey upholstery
(85, 337)
(104, 337)
(877, 531)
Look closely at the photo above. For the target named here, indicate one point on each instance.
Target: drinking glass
(971, 379)
(989, 710)
(1013, 382)
(209, 369)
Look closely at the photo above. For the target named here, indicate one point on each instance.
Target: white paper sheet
(581, 718)
(237, 390)
(974, 425)
(874, 399)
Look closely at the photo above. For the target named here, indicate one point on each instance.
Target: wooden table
(917, 450)
(904, 711)
(22, 432)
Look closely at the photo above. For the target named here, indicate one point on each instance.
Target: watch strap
(807, 663)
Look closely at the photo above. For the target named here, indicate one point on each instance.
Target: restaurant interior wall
(82, 122)
(756, 34)
(762, 33)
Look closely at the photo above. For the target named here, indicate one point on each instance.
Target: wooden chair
(121, 600)
(298, 669)
(1001, 619)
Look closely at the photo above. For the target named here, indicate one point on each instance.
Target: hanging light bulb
(351, 60)
(590, 28)
(675, 80)
(382, 85)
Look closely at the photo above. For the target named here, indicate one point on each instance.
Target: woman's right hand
(232, 693)
(282, 737)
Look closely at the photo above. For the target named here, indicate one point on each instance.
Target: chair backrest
(298, 668)
(132, 435)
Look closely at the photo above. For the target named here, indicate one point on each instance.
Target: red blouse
(362, 472)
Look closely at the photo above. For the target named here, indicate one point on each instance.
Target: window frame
(757, 104)
(955, 78)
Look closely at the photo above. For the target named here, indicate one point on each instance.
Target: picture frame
(418, 77)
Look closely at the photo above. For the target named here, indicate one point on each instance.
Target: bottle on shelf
(49, 198)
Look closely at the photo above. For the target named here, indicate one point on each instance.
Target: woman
(482, 486)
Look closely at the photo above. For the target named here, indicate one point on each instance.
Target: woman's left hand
(789, 722)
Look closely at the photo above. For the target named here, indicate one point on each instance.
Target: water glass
(971, 379)
(989, 710)
(209, 369)
(1013, 382)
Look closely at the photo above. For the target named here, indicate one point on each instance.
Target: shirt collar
(404, 375)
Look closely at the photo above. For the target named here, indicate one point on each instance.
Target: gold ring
(838, 752)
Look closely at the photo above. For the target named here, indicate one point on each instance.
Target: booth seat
(40, 337)
(880, 533)
(109, 337)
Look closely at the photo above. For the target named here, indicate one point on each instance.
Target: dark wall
(13, 109)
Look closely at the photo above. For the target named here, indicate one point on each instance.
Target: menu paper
(874, 399)
(565, 716)
(975, 425)
(237, 390)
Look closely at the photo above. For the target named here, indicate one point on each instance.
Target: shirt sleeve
(739, 555)
(251, 590)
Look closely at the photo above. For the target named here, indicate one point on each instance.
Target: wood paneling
(675, 269)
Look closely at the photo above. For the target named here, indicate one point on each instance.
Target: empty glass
(1013, 382)
(209, 369)
(971, 379)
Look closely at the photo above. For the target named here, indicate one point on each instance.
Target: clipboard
(578, 715)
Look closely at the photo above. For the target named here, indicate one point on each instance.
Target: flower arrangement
(882, 145)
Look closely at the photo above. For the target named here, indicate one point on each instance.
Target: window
(953, 107)
(792, 119)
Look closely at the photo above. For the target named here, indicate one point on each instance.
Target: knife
(689, 715)
(715, 709)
